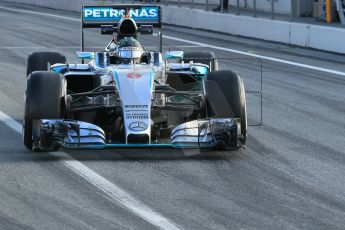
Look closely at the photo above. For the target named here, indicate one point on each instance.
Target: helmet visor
(130, 53)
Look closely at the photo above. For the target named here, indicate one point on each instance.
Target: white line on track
(21, 47)
(40, 47)
(48, 47)
(258, 56)
(117, 194)
(40, 13)
(204, 45)
(120, 196)
(78, 47)
(177, 46)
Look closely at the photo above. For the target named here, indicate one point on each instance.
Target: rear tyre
(44, 94)
(40, 61)
(225, 97)
(182, 82)
(203, 57)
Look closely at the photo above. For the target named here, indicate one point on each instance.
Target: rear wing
(98, 16)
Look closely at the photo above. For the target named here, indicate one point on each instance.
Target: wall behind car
(306, 35)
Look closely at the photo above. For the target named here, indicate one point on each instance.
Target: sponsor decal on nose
(134, 75)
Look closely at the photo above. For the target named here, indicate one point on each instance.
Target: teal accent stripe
(138, 146)
(116, 78)
(152, 75)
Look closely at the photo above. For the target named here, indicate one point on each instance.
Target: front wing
(222, 133)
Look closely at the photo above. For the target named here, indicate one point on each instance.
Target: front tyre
(43, 100)
(27, 132)
(225, 96)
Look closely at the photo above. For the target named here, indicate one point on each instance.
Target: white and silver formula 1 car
(127, 96)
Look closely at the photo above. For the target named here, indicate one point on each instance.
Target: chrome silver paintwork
(134, 84)
(201, 132)
(85, 134)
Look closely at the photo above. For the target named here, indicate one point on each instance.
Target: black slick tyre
(203, 57)
(225, 96)
(43, 98)
(40, 61)
(182, 82)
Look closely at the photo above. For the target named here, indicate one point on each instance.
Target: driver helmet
(129, 48)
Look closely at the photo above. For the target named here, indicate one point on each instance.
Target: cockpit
(125, 51)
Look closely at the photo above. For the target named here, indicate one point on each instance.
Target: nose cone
(127, 27)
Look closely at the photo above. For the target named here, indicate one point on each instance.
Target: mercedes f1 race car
(126, 96)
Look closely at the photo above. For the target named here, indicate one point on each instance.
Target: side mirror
(199, 68)
(174, 55)
(85, 55)
(108, 29)
(146, 29)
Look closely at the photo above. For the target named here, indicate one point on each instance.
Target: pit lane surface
(291, 175)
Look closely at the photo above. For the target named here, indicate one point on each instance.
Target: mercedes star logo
(137, 126)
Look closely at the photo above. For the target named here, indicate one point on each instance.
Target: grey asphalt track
(290, 176)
